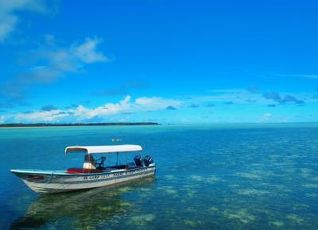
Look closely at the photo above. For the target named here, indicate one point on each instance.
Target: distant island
(77, 124)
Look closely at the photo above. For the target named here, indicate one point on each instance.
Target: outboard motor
(138, 160)
(148, 160)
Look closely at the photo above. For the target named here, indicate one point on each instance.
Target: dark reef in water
(77, 124)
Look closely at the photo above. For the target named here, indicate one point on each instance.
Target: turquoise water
(208, 177)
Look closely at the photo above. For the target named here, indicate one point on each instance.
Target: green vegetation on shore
(77, 124)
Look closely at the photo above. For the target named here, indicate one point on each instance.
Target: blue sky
(158, 60)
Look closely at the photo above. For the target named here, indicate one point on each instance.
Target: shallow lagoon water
(222, 177)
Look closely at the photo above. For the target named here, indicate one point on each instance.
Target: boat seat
(82, 170)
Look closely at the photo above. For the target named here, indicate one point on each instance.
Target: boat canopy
(103, 149)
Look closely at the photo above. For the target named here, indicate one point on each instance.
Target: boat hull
(56, 182)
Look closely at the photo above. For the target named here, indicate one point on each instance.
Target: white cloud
(243, 97)
(126, 106)
(155, 103)
(2, 119)
(236, 96)
(40, 116)
(82, 113)
(61, 60)
(8, 14)
(87, 53)
(266, 117)
(52, 62)
(105, 110)
(140, 106)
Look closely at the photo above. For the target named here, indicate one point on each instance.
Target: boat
(93, 174)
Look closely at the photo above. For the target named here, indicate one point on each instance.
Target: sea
(221, 176)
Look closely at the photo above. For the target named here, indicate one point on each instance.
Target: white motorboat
(93, 174)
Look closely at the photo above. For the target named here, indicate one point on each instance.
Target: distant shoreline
(22, 125)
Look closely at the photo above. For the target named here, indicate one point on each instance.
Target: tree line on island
(77, 124)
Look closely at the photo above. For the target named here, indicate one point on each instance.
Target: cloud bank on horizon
(103, 63)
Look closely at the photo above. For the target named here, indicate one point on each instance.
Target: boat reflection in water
(81, 209)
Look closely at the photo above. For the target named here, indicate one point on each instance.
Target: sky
(166, 61)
